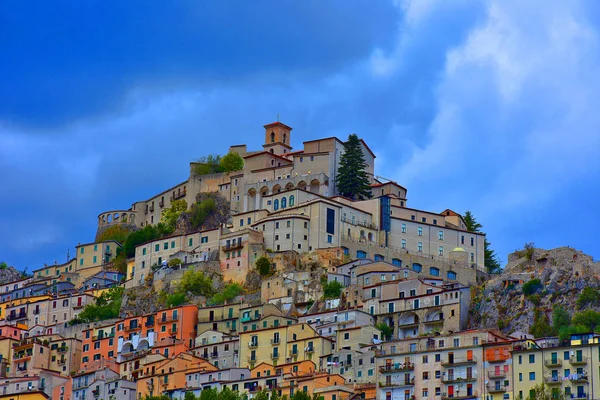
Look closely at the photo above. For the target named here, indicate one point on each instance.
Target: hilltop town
(263, 276)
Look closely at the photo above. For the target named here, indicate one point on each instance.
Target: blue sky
(483, 105)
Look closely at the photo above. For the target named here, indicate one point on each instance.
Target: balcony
(579, 396)
(309, 350)
(96, 392)
(252, 345)
(498, 358)
(274, 356)
(151, 209)
(62, 349)
(553, 363)
(459, 361)
(251, 360)
(234, 246)
(22, 356)
(214, 354)
(173, 330)
(36, 311)
(179, 194)
(578, 378)
(459, 396)
(293, 353)
(249, 318)
(496, 374)
(78, 306)
(365, 224)
(275, 341)
(61, 361)
(132, 328)
(574, 360)
(168, 319)
(456, 378)
(553, 380)
(401, 383)
(389, 368)
(161, 203)
(149, 323)
(496, 389)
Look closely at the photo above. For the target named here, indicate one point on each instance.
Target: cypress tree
(492, 262)
(352, 179)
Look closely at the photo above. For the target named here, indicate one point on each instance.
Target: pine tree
(491, 261)
(352, 179)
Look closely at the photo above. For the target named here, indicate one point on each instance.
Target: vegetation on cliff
(107, 306)
(542, 292)
(214, 163)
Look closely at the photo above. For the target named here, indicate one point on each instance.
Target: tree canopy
(107, 306)
(170, 215)
(491, 261)
(352, 179)
(263, 265)
(210, 164)
(231, 162)
(333, 290)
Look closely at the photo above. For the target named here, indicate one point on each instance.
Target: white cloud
(516, 112)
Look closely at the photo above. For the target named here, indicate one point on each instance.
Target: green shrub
(176, 299)
(170, 215)
(174, 262)
(531, 287)
(535, 299)
(230, 292)
(386, 330)
(589, 297)
(560, 318)
(196, 283)
(263, 265)
(333, 290)
(108, 306)
(541, 325)
(232, 162)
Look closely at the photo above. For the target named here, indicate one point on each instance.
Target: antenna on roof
(68, 254)
(277, 117)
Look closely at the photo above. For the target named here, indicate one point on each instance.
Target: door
(554, 358)
(470, 355)
(211, 316)
(450, 358)
(79, 301)
(497, 370)
(451, 391)
(469, 390)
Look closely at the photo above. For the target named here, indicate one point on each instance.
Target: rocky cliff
(9, 274)
(503, 302)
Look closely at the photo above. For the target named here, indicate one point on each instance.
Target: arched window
(283, 202)
(272, 137)
(452, 275)
(370, 236)
(433, 271)
(379, 257)
(276, 205)
(361, 254)
(346, 250)
(417, 267)
(284, 138)
(292, 200)
(272, 161)
(397, 262)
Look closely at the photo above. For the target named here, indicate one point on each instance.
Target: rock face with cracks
(563, 273)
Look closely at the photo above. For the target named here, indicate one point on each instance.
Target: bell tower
(277, 138)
